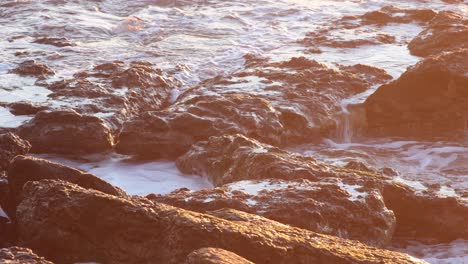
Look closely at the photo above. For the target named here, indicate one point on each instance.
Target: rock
(10, 146)
(279, 103)
(33, 68)
(229, 159)
(66, 132)
(215, 256)
(67, 223)
(25, 108)
(18, 255)
(448, 31)
(24, 169)
(392, 14)
(328, 207)
(54, 41)
(427, 217)
(429, 100)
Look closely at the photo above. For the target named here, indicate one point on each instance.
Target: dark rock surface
(25, 108)
(429, 100)
(10, 146)
(448, 31)
(66, 132)
(215, 256)
(67, 223)
(18, 255)
(278, 103)
(328, 207)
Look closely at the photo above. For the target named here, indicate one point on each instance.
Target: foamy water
(202, 39)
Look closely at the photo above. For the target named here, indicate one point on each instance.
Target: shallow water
(202, 39)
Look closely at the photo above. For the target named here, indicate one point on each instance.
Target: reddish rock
(66, 132)
(25, 108)
(215, 256)
(329, 207)
(10, 146)
(33, 68)
(392, 14)
(54, 41)
(65, 223)
(429, 100)
(18, 255)
(448, 31)
(278, 103)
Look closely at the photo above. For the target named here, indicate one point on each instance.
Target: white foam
(2, 213)
(9, 120)
(455, 252)
(352, 190)
(160, 177)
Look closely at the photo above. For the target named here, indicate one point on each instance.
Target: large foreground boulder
(215, 256)
(66, 132)
(448, 31)
(67, 223)
(24, 168)
(328, 207)
(429, 100)
(18, 255)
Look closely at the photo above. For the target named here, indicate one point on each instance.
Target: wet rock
(66, 132)
(448, 31)
(25, 168)
(426, 216)
(329, 207)
(429, 100)
(25, 108)
(229, 159)
(54, 41)
(33, 68)
(392, 14)
(18, 255)
(139, 231)
(278, 103)
(321, 38)
(10, 146)
(215, 256)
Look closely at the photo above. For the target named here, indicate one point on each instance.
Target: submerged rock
(448, 31)
(32, 68)
(329, 207)
(66, 132)
(18, 255)
(429, 100)
(55, 41)
(215, 256)
(65, 222)
(278, 103)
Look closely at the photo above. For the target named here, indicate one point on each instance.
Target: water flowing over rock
(67, 223)
(32, 68)
(328, 207)
(279, 103)
(18, 255)
(66, 132)
(448, 31)
(214, 256)
(429, 100)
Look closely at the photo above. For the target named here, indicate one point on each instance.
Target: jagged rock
(229, 159)
(448, 31)
(54, 41)
(279, 103)
(215, 256)
(67, 223)
(24, 169)
(429, 100)
(25, 108)
(33, 68)
(18, 255)
(393, 14)
(328, 207)
(66, 132)
(10, 146)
